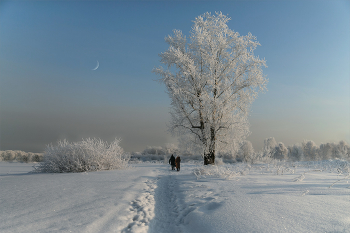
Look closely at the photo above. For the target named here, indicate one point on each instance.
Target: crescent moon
(98, 64)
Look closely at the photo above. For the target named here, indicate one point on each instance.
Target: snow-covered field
(149, 197)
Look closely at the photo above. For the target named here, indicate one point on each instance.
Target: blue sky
(48, 90)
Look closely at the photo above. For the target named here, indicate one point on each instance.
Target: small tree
(269, 147)
(212, 80)
(295, 152)
(344, 149)
(310, 150)
(246, 152)
(281, 152)
(325, 151)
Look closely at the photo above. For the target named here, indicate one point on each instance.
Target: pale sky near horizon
(48, 90)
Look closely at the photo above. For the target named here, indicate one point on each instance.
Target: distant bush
(158, 150)
(154, 153)
(141, 157)
(157, 154)
(154, 150)
(87, 155)
(20, 156)
(306, 151)
(243, 153)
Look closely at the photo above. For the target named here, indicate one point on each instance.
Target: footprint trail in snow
(142, 210)
(160, 208)
(167, 207)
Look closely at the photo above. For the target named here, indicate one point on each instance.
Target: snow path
(171, 209)
(158, 208)
(141, 209)
(167, 208)
(161, 207)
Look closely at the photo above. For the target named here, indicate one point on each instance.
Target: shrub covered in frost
(87, 155)
(20, 156)
(8, 155)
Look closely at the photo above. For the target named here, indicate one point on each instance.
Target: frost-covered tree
(295, 152)
(212, 79)
(344, 149)
(269, 147)
(281, 152)
(246, 152)
(310, 150)
(325, 151)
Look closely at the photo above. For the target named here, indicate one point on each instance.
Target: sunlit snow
(149, 197)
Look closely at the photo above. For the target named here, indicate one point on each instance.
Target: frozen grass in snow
(223, 171)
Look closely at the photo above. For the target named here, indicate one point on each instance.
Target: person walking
(177, 163)
(172, 162)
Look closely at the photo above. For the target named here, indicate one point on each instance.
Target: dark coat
(177, 161)
(172, 160)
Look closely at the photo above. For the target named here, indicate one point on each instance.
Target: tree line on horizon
(307, 150)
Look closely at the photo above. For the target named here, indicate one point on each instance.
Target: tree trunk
(209, 158)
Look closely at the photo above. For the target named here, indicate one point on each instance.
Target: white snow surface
(149, 197)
